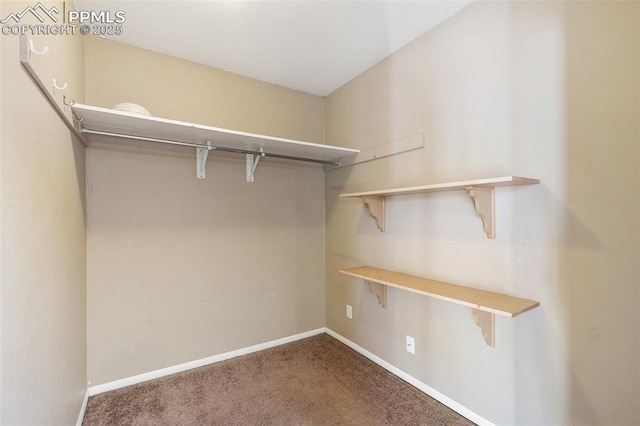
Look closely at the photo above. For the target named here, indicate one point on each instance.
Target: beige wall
(43, 269)
(179, 268)
(545, 90)
(185, 91)
(1, 232)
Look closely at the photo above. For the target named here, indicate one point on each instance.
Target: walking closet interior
(465, 213)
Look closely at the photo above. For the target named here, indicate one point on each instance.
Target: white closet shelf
(97, 121)
(480, 190)
(484, 304)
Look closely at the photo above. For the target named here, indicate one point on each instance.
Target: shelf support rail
(202, 152)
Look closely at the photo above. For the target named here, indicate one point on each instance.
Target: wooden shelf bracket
(484, 202)
(380, 290)
(375, 205)
(487, 322)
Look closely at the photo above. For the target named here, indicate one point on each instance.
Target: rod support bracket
(201, 160)
(252, 164)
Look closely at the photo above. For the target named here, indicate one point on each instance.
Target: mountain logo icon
(38, 10)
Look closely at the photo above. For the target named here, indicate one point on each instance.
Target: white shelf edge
(125, 124)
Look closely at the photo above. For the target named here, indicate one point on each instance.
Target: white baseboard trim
(128, 381)
(445, 400)
(83, 408)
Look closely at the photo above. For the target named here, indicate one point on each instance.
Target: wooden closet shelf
(496, 303)
(449, 186)
(484, 304)
(482, 191)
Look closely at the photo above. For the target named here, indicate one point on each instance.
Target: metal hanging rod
(208, 147)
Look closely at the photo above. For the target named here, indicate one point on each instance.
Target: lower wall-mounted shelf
(480, 190)
(484, 304)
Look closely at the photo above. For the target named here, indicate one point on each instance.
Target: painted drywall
(182, 90)
(43, 268)
(1, 245)
(181, 269)
(548, 90)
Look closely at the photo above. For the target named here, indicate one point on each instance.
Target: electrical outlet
(411, 345)
(349, 312)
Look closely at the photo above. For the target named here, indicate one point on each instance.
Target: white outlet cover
(411, 345)
(349, 312)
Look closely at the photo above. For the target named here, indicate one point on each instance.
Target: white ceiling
(314, 46)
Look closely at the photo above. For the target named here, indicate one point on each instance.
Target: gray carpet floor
(314, 381)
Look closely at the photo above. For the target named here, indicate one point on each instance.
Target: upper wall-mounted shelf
(480, 190)
(484, 304)
(96, 121)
